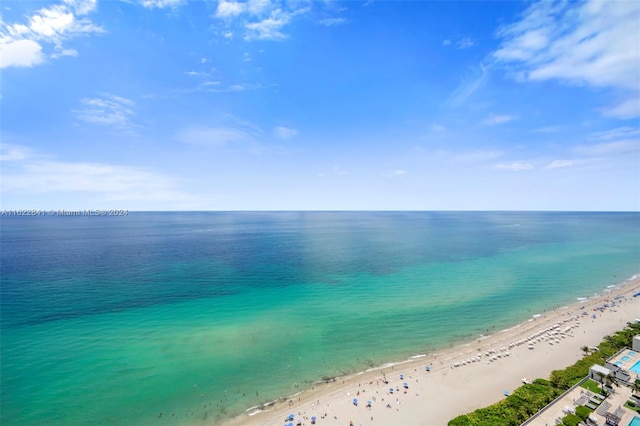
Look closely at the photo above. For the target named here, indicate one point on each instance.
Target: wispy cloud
(108, 110)
(460, 44)
(258, 19)
(548, 129)
(592, 43)
(330, 22)
(395, 173)
(32, 173)
(625, 132)
(10, 152)
(498, 119)
(465, 43)
(607, 149)
(282, 132)
(468, 86)
(557, 164)
(229, 9)
(515, 166)
(22, 45)
(161, 4)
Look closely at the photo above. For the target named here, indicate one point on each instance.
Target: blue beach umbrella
(401, 376)
(390, 390)
(313, 420)
(291, 416)
(506, 393)
(355, 401)
(369, 403)
(406, 385)
(427, 368)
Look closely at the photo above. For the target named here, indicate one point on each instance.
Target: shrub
(571, 420)
(582, 412)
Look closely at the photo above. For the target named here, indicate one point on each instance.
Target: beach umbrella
(427, 368)
(390, 390)
(401, 376)
(355, 401)
(406, 385)
(369, 403)
(313, 420)
(506, 393)
(291, 416)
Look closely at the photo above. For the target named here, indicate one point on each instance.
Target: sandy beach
(460, 379)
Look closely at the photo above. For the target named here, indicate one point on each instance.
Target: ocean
(193, 317)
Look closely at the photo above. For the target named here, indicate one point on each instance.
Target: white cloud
(498, 119)
(465, 43)
(65, 52)
(269, 28)
(82, 7)
(19, 53)
(395, 173)
(31, 173)
(438, 128)
(330, 22)
(625, 110)
(592, 43)
(107, 110)
(548, 129)
(258, 6)
(446, 42)
(283, 132)
(515, 166)
(229, 9)
(10, 152)
(161, 4)
(556, 164)
(618, 133)
(258, 19)
(468, 86)
(608, 149)
(22, 45)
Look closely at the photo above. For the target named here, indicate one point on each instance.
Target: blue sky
(320, 105)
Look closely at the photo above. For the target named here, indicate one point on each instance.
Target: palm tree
(636, 386)
(601, 377)
(586, 350)
(611, 380)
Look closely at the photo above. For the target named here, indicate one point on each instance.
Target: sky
(320, 105)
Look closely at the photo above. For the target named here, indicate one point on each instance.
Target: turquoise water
(635, 421)
(635, 368)
(202, 315)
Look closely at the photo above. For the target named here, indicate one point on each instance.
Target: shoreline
(498, 362)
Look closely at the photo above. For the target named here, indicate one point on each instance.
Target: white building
(597, 371)
(636, 343)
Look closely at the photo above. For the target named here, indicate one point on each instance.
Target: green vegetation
(531, 398)
(583, 412)
(592, 385)
(632, 406)
(571, 420)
